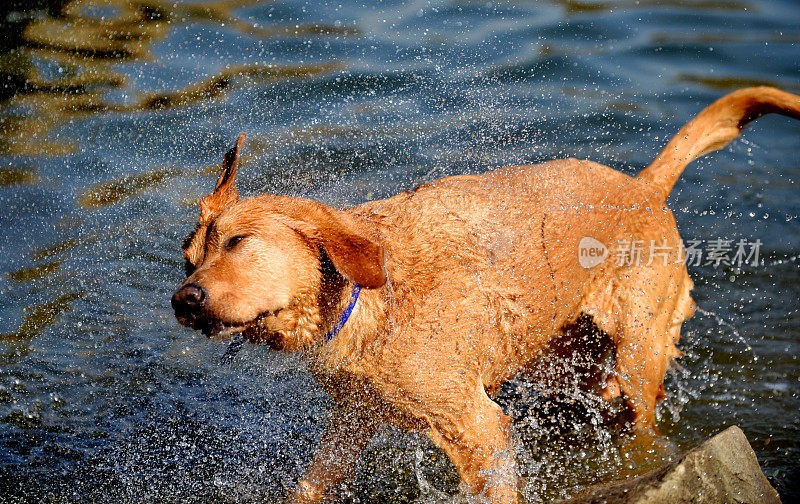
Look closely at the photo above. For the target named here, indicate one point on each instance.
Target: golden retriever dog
(413, 310)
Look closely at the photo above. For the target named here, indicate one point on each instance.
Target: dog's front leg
(476, 439)
(350, 429)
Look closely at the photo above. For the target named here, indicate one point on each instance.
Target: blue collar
(345, 314)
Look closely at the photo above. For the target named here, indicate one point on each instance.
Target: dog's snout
(188, 299)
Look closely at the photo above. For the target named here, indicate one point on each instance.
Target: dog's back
(494, 258)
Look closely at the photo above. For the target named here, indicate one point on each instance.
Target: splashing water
(733, 331)
(112, 121)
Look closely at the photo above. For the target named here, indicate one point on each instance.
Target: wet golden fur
(466, 280)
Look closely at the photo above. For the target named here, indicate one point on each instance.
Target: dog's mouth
(218, 330)
(256, 330)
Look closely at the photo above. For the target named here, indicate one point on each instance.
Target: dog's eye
(234, 241)
(188, 267)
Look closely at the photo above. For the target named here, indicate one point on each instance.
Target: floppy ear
(356, 256)
(225, 193)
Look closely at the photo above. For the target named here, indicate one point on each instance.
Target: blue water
(114, 119)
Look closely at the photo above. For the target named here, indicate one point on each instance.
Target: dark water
(115, 114)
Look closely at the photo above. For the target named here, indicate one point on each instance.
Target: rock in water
(723, 469)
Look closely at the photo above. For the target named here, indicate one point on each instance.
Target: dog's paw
(304, 493)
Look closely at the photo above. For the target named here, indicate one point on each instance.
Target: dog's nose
(188, 299)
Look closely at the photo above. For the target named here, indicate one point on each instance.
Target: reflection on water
(15, 176)
(74, 65)
(38, 317)
(588, 6)
(113, 115)
(728, 84)
(219, 84)
(111, 192)
(34, 272)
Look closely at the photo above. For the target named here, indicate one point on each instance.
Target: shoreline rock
(723, 469)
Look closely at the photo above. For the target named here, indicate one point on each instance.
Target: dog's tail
(714, 128)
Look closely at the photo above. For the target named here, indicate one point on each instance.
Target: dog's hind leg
(350, 430)
(641, 366)
(652, 304)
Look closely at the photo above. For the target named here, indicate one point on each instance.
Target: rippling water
(115, 115)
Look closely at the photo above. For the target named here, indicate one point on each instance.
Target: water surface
(115, 115)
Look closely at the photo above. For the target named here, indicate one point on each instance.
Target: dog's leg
(651, 310)
(476, 439)
(641, 367)
(350, 430)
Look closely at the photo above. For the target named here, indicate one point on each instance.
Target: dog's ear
(356, 256)
(225, 193)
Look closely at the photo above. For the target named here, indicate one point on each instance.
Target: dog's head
(258, 266)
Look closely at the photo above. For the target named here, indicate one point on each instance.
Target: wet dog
(413, 310)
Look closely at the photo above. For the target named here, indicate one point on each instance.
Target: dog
(413, 310)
